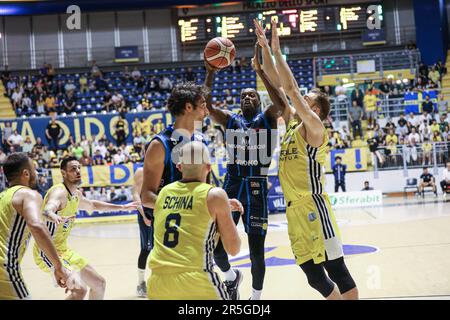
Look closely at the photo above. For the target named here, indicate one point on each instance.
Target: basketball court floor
(398, 251)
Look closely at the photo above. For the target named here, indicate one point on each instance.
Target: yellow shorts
(12, 286)
(191, 285)
(313, 231)
(71, 260)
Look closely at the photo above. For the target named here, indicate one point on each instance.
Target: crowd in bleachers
(412, 136)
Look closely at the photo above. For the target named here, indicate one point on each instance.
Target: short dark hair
(338, 157)
(366, 182)
(14, 164)
(187, 92)
(323, 102)
(65, 161)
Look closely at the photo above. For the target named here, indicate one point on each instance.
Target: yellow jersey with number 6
(185, 233)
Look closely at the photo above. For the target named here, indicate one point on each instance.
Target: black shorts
(146, 234)
(252, 193)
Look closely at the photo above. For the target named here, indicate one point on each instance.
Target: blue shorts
(252, 193)
(146, 234)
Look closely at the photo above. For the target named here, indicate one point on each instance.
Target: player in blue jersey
(187, 105)
(250, 140)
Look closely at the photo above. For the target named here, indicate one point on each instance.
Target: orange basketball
(220, 52)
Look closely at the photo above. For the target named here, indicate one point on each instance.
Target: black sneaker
(233, 286)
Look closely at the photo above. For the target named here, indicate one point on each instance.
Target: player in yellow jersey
(313, 231)
(61, 204)
(20, 217)
(188, 215)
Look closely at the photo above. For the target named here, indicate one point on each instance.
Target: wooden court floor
(398, 251)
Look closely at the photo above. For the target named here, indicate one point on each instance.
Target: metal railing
(390, 60)
(404, 157)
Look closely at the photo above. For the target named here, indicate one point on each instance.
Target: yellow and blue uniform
(184, 240)
(312, 227)
(14, 238)
(60, 234)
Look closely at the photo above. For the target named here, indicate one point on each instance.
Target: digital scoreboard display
(291, 22)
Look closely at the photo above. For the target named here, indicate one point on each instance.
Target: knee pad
(338, 272)
(317, 278)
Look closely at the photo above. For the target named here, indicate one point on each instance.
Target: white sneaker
(141, 290)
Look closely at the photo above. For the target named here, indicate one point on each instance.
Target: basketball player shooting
(246, 180)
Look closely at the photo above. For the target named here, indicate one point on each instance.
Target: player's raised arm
(56, 199)
(270, 69)
(136, 192)
(28, 204)
(153, 171)
(279, 100)
(220, 210)
(313, 124)
(218, 115)
(95, 205)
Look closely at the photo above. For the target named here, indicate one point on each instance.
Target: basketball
(220, 52)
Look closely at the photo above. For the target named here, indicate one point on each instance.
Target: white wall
(387, 181)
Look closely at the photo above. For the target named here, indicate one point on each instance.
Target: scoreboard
(291, 22)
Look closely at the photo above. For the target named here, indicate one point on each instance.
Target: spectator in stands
(85, 159)
(391, 137)
(40, 105)
(83, 81)
(118, 100)
(339, 171)
(137, 127)
(69, 103)
(427, 180)
(341, 92)
(419, 85)
(76, 150)
(98, 158)
(125, 75)
(120, 130)
(366, 186)
(423, 70)
(436, 137)
(385, 88)
(152, 84)
(107, 101)
(16, 98)
(136, 74)
(113, 196)
(236, 66)
(50, 104)
(430, 85)
(355, 113)
(228, 98)
(26, 102)
(43, 185)
(165, 84)
(15, 140)
(425, 118)
(95, 70)
(434, 76)
(159, 126)
(70, 86)
(445, 182)
(145, 103)
(11, 86)
(53, 133)
(442, 104)
(374, 143)
(125, 193)
(6, 133)
(370, 105)
(38, 146)
(27, 146)
(2, 156)
(189, 75)
(427, 149)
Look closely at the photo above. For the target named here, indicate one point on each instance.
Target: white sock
(230, 275)
(141, 276)
(256, 294)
